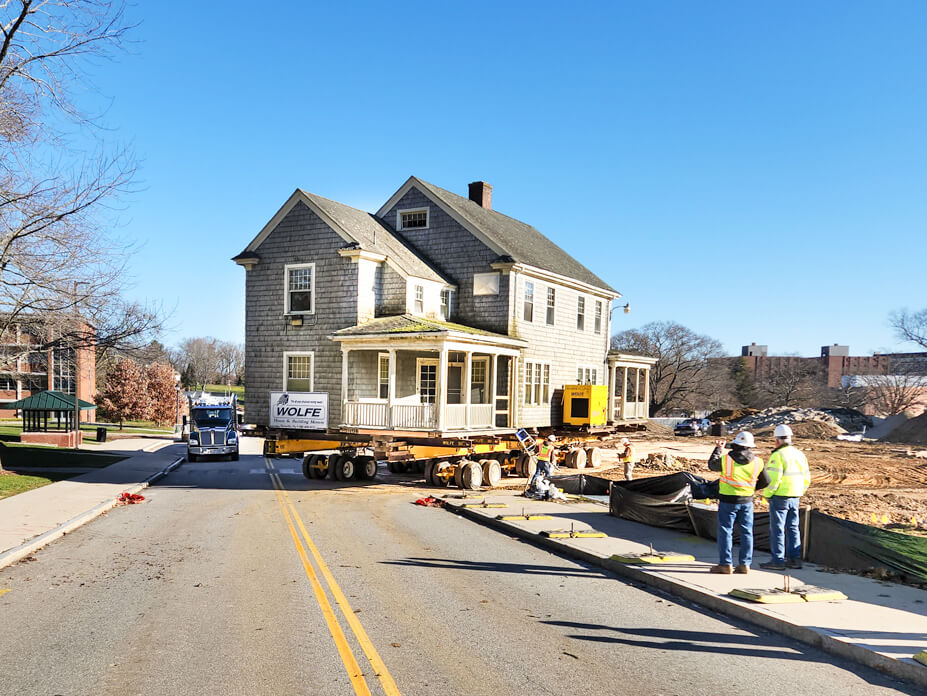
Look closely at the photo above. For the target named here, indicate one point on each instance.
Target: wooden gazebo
(48, 418)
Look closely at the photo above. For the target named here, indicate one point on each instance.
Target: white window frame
(425, 210)
(550, 315)
(581, 313)
(287, 354)
(484, 359)
(587, 374)
(418, 299)
(380, 358)
(418, 378)
(447, 308)
(597, 318)
(524, 301)
(536, 390)
(286, 287)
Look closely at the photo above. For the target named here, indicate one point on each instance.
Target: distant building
(30, 371)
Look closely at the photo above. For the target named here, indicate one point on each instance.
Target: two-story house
(436, 313)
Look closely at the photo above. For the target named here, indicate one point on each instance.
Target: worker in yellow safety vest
(627, 458)
(544, 456)
(741, 473)
(789, 478)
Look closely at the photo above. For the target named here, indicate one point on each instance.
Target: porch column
(466, 386)
(611, 392)
(637, 392)
(646, 372)
(391, 390)
(442, 388)
(624, 393)
(494, 386)
(344, 385)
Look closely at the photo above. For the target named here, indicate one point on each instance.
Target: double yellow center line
(303, 544)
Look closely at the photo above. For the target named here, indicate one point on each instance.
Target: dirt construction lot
(875, 483)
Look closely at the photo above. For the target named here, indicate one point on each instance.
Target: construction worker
(789, 478)
(626, 457)
(544, 456)
(741, 473)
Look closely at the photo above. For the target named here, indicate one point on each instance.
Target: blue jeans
(728, 515)
(784, 536)
(543, 471)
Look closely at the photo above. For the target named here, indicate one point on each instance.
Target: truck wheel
(492, 472)
(441, 468)
(234, 457)
(430, 472)
(307, 466)
(458, 471)
(191, 457)
(344, 468)
(579, 459)
(594, 457)
(472, 476)
(365, 467)
(330, 462)
(394, 467)
(531, 465)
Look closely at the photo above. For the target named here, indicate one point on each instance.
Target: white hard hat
(625, 441)
(782, 431)
(552, 438)
(744, 439)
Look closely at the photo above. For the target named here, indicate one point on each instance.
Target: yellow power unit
(585, 404)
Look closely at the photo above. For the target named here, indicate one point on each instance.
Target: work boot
(742, 569)
(793, 563)
(721, 569)
(772, 565)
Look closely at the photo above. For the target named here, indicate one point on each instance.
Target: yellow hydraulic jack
(571, 533)
(652, 557)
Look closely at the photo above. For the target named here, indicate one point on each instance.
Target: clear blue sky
(756, 173)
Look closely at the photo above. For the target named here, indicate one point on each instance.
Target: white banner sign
(299, 410)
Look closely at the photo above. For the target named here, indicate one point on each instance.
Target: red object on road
(129, 498)
(430, 502)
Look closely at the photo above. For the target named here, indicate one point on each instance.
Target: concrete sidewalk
(31, 520)
(881, 625)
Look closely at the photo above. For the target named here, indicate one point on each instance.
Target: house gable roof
(358, 228)
(507, 236)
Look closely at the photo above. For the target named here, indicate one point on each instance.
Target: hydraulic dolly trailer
(468, 461)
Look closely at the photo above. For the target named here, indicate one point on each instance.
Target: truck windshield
(212, 417)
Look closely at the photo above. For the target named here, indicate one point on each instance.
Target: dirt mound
(731, 414)
(817, 429)
(914, 432)
(658, 429)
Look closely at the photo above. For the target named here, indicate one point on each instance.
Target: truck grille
(212, 437)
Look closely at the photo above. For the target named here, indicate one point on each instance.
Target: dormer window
(413, 219)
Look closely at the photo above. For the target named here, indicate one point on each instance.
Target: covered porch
(412, 374)
(628, 386)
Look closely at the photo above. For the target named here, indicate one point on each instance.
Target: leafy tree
(162, 393)
(124, 395)
(682, 372)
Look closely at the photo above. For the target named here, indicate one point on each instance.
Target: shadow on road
(493, 567)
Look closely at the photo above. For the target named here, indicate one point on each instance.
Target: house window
(383, 376)
(479, 380)
(413, 219)
(297, 372)
(598, 316)
(485, 283)
(419, 299)
(300, 289)
(537, 383)
(7, 383)
(581, 314)
(447, 303)
(587, 375)
(551, 304)
(528, 310)
(427, 381)
(63, 362)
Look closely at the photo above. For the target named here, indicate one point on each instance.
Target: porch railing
(414, 416)
(481, 416)
(631, 409)
(370, 415)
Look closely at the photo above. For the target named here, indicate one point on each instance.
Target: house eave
(534, 271)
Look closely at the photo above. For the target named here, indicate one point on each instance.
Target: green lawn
(223, 389)
(11, 484)
(15, 455)
(11, 430)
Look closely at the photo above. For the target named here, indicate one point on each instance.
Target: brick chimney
(481, 194)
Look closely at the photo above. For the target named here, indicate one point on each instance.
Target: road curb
(17, 553)
(910, 672)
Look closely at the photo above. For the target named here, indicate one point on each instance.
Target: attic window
(413, 219)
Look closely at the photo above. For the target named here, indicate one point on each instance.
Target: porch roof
(407, 326)
(631, 358)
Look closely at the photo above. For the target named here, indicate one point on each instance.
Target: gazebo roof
(49, 401)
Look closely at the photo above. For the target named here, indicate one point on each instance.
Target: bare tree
(62, 271)
(889, 395)
(230, 361)
(197, 358)
(681, 373)
(910, 326)
(793, 382)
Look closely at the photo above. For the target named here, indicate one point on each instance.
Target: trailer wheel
(419, 465)
(430, 472)
(330, 462)
(594, 457)
(191, 457)
(522, 466)
(307, 466)
(391, 467)
(492, 472)
(458, 471)
(579, 459)
(441, 468)
(472, 476)
(344, 468)
(531, 465)
(314, 462)
(365, 467)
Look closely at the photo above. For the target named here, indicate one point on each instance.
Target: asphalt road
(210, 587)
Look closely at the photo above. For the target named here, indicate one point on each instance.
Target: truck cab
(213, 426)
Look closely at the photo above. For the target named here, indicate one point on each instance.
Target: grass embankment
(17, 456)
(11, 484)
(10, 431)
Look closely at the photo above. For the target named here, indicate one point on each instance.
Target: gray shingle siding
(391, 291)
(457, 254)
(301, 237)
